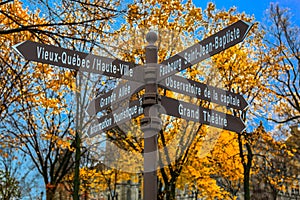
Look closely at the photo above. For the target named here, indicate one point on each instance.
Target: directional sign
(206, 48)
(53, 55)
(118, 117)
(121, 92)
(195, 113)
(205, 92)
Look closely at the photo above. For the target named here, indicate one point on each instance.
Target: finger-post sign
(150, 77)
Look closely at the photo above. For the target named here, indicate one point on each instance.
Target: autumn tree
(36, 113)
(284, 73)
(282, 59)
(280, 98)
(242, 72)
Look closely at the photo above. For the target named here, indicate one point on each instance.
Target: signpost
(150, 77)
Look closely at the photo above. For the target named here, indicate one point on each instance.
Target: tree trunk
(170, 191)
(247, 170)
(247, 184)
(173, 190)
(274, 194)
(160, 193)
(77, 166)
(247, 163)
(50, 193)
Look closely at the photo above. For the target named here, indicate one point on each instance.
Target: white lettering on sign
(214, 118)
(188, 112)
(125, 113)
(202, 50)
(197, 52)
(118, 93)
(124, 70)
(207, 93)
(108, 100)
(119, 116)
(124, 90)
(182, 86)
(87, 62)
(99, 65)
(225, 99)
(229, 99)
(102, 125)
(46, 55)
(229, 36)
(170, 67)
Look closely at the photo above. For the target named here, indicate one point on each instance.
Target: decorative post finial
(151, 37)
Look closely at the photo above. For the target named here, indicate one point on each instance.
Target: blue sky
(255, 7)
(250, 7)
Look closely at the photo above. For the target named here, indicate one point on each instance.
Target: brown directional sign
(117, 117)
(206, 48)
(58, 56)
(196, 113)
(205, 92)
(121, 92)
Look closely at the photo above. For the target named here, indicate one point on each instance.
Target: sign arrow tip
(249, 24)
(15, 47)
(244, 103)
(243, 126)
(91, 109)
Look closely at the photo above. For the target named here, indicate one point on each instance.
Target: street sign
(49, 54)
(117, 117)
(207, 116)
(121, 92)
(206, 48)
(205, 92)
(164, 77)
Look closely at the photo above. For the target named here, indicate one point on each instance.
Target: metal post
(151, 123)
